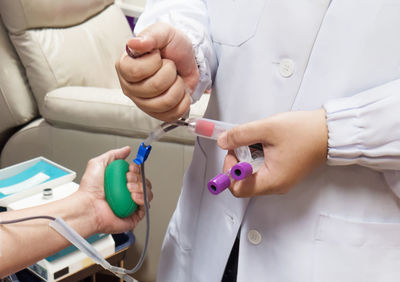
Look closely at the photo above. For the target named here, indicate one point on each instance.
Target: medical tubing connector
(142, 154)
(154, 135)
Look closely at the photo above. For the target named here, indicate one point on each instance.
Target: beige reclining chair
(60, 98)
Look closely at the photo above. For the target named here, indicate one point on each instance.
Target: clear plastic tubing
(155, 135)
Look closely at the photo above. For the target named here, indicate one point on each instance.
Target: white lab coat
(342, 223)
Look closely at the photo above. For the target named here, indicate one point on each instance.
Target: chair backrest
(66, 43)
(17, 105)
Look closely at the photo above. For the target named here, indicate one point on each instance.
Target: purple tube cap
(219, 183)
(241, 170)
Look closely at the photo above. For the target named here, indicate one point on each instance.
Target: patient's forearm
(24, 243)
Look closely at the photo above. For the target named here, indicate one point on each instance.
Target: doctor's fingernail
(132, 53)
(141, 37)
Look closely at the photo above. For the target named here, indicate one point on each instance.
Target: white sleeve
(392, 178)
(191, 17)
(364, 129)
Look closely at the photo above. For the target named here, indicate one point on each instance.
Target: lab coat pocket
(241, 16)
(349, 251)
(183, 227)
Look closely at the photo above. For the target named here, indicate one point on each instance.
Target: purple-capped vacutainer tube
(219, 183)
(241, 170)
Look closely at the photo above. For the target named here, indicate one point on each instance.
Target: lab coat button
(254, 237)
(286, 67)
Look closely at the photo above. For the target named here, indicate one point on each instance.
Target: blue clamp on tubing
(142, 154)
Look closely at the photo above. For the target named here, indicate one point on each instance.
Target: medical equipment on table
(30, 177)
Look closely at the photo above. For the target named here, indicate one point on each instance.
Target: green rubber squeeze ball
(116, 192)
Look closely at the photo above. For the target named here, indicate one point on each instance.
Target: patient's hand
(92, 185)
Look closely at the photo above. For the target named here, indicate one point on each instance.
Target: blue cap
(142, 154)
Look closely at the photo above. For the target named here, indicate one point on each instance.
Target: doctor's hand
(294, 143)
(92, 187)
(160, 80)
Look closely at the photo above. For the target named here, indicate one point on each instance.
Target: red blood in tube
(204, 127)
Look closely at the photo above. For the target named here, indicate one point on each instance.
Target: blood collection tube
(249, 162)
(238, 172)
(219, 183)
(222, 181)
(212, 129)
(242, 170)
(208, 128)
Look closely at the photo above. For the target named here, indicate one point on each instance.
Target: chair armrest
(108, 111)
